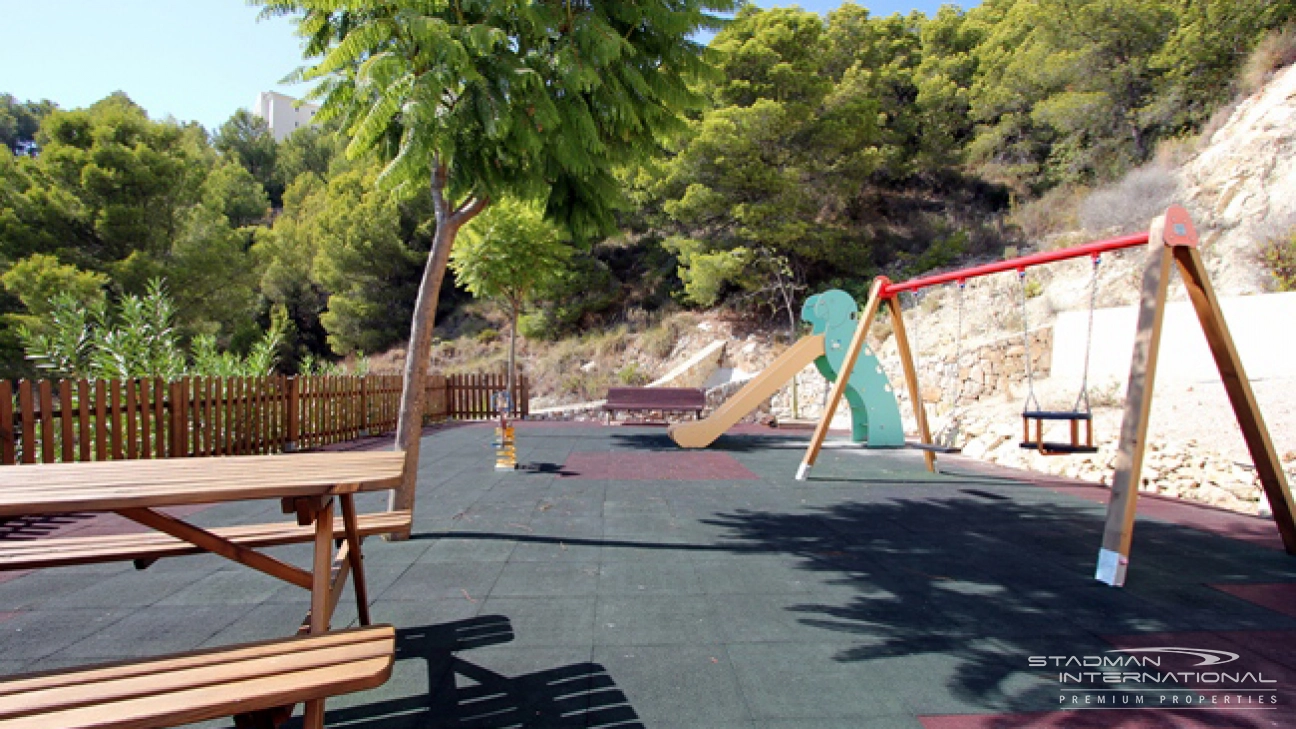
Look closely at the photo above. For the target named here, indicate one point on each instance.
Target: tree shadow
(969, 588)
(464, 695)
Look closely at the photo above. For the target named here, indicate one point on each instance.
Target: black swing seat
(1057, 415)
(1050, 448)
(1081, 438)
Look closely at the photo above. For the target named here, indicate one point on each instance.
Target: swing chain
(1083, 396)
(1026, 345)
(949, 433)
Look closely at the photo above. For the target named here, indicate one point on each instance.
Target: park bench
(654, 399)
(144, 548)
(257, 683)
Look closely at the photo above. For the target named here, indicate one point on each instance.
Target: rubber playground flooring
(617, 581)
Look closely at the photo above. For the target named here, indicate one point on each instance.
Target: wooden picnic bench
(252, 682)
(145, 548)
(311, 485)
(654, 399)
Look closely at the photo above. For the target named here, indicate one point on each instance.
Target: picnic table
(308, 484)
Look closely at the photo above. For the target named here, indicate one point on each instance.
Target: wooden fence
(46, 422)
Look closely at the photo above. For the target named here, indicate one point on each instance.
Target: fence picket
(210, 416)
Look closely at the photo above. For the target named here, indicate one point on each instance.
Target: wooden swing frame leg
(843, 377)
(1173, 240)
(911, 378)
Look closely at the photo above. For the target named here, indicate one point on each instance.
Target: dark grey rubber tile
(547, 579)
(670, 620)
(691, 685)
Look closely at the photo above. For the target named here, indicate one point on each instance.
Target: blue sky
(191, 59)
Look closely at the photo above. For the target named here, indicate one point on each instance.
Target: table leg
(321, 584)
(355, 557)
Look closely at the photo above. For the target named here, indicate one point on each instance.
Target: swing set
(1171, 239)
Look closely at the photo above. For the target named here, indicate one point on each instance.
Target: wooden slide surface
(702, 433)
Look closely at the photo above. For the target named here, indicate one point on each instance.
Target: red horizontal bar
(1016, 264)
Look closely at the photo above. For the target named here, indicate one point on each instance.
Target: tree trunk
(512, 361)
(409, 424)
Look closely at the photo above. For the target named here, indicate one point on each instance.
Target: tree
(477, 100)
(246, 139)
(20, 122)
(510, 254)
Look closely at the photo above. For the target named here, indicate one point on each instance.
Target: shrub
(1055, 212)
(632, 375)
(1279, 257)
(1129, 205)
(659, 341)
(487, 335)
(1276, 51)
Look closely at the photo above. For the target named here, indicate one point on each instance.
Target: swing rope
(1083, 397)
(948, 380)
(1026, 346)
(949, 432)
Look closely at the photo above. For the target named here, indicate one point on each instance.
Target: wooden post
(911, 378)
(8, 453)
(839, 387)
(1118, 533)
(294, 415)
(1263, 454)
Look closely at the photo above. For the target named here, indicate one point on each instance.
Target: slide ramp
(702, 433)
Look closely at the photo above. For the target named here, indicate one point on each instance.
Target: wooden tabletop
(107, 485)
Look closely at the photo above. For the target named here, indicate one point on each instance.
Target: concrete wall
(1261, 327)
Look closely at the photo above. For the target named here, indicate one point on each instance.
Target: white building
(283, 113)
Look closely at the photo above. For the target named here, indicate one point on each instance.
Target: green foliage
(19, 122)
(510, 255)
(245, 139)
(633, 375)
(87, 340)
(38, 279)
(1279, 256)
(365, 260)
(233, 191)
(512, 99)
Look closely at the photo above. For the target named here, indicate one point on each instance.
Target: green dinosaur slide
(875, 416)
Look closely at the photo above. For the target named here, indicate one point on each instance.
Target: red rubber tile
(1280, 597)
(667, 466)
(6, 616)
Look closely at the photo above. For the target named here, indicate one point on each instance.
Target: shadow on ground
(465, 695)
(970, 588)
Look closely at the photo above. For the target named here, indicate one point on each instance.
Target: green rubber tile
(553, 688)
(654, 620)
(648, 578)
(131, 589)
(748, 618)
(34, 635)
(547, 579)
(559, 526)
(756, 575)
(266, 621)
(158, 631)
(532, 548)
(39, 587)
(454, 548)
(801, 680)
(545, 621)
(646, 550)
(468, 580)
(226, 587)
(690, 685)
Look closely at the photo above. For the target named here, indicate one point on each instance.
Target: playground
(616, 580)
